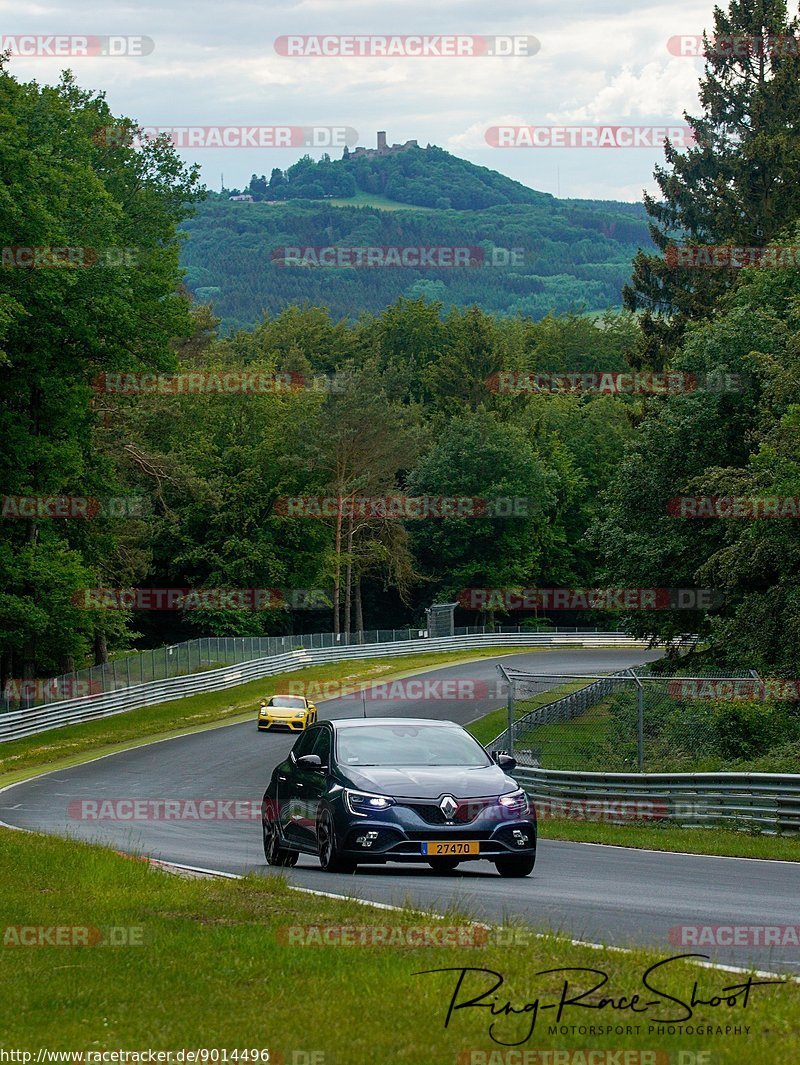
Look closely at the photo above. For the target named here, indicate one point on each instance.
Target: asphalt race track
(602, 894)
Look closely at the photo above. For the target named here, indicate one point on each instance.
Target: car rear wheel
(329, 857)
(443, 865)
(273, 851)
(515, 866)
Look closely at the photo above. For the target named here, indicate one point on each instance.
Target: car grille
(453, 834)
(465, 814)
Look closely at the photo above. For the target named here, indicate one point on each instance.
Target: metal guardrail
(202, 654)
(768, 801)
(19, 723)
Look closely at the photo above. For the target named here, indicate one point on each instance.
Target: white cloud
(599, 63)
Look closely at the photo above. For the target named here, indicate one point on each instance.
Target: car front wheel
(273, 851)
(330, 858)
(515, 866)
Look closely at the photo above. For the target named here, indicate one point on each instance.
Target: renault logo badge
(448, 806)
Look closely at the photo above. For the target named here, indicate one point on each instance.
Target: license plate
(451, 849)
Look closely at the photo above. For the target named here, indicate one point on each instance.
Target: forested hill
(553, 255)
(424, 177)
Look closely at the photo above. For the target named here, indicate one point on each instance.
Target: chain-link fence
(639, 721)
(195, 656)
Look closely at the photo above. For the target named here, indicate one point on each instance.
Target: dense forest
(391, 393)
(553, 255)
(425, 177)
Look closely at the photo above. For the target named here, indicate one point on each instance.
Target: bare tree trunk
(100, 649)
(337, 571)
(348, 584)
(28, 671)
(359, 610)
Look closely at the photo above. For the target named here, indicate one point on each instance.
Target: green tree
(115, 305)
(737, 185)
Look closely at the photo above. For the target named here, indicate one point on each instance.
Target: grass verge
(488, 727)
(74, 743)
(214, 964)
(721, 841)
(649, 836)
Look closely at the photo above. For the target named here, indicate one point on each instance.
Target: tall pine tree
(738, 184)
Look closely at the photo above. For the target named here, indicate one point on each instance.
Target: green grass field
(370, 199)
(217, 965)
(491, 725)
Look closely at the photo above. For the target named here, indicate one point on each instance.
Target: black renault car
(361, 791)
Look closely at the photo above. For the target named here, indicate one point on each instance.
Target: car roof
(359, 722)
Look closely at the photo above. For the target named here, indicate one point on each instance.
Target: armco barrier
(19, 723)
(766, 801)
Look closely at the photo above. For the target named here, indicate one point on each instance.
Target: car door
(316, 782)
(292, 791)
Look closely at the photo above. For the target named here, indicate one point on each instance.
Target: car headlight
(515, 802)
(264, 712)
(300, 713)
(361, 803)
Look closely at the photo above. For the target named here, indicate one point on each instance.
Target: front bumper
(398, 834)
(290, 724)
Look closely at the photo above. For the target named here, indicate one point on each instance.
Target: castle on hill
(382, 149)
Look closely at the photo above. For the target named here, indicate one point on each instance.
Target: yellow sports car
(292, 712)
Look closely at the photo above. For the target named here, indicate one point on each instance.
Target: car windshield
(288, 702)
(409, 745)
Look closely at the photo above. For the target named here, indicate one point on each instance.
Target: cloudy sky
(600, 62)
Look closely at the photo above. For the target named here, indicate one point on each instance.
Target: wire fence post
(639, 721)
(508, 681)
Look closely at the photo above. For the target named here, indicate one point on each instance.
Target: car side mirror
(312, 762)
(506, 761)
